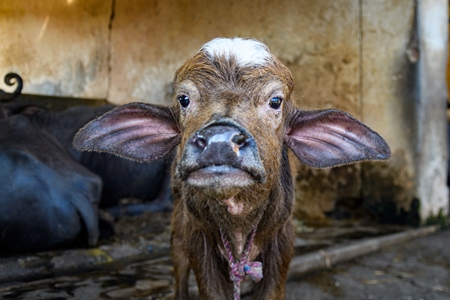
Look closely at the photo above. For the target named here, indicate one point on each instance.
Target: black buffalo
(121, 177)
(50, 193)
(47, 199)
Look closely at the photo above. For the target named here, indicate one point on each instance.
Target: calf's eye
(275, 102)
(184, 100)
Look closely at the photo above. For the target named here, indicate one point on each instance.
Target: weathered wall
(388, 90)
(58, 47)
(317, 39)
(403, 95)
(431, 108)
(355, 55)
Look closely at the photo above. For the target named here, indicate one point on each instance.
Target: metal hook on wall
(10, 80)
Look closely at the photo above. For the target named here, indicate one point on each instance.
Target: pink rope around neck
(239, 269)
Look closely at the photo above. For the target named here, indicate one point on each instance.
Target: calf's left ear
(137, 131)
(326, 138)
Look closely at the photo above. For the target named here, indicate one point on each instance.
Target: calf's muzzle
(221, 155)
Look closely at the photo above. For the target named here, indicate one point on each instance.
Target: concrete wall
(388, 92)
(355, 55)
(431, 107)
(58, 47)
(404, 96)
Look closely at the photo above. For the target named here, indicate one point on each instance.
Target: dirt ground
(126, 265)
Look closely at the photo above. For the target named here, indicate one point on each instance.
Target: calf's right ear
(326, 138)
(137, 131)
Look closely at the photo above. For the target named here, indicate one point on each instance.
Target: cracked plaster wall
(350, 55)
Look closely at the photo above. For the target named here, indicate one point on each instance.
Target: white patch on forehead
(246, 52)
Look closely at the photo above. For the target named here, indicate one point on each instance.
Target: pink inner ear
(137, 131)
(330, 137)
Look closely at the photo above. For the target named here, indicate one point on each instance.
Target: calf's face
(231, 111)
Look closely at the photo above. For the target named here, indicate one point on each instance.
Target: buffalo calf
(233, 121)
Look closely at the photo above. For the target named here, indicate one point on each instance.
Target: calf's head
(232, 116)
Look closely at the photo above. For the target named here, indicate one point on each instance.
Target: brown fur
(197, 219)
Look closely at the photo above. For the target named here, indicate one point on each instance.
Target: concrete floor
(417, 269)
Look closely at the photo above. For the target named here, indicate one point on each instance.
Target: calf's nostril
(219, 135)
(200, 141)
(239, 140)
